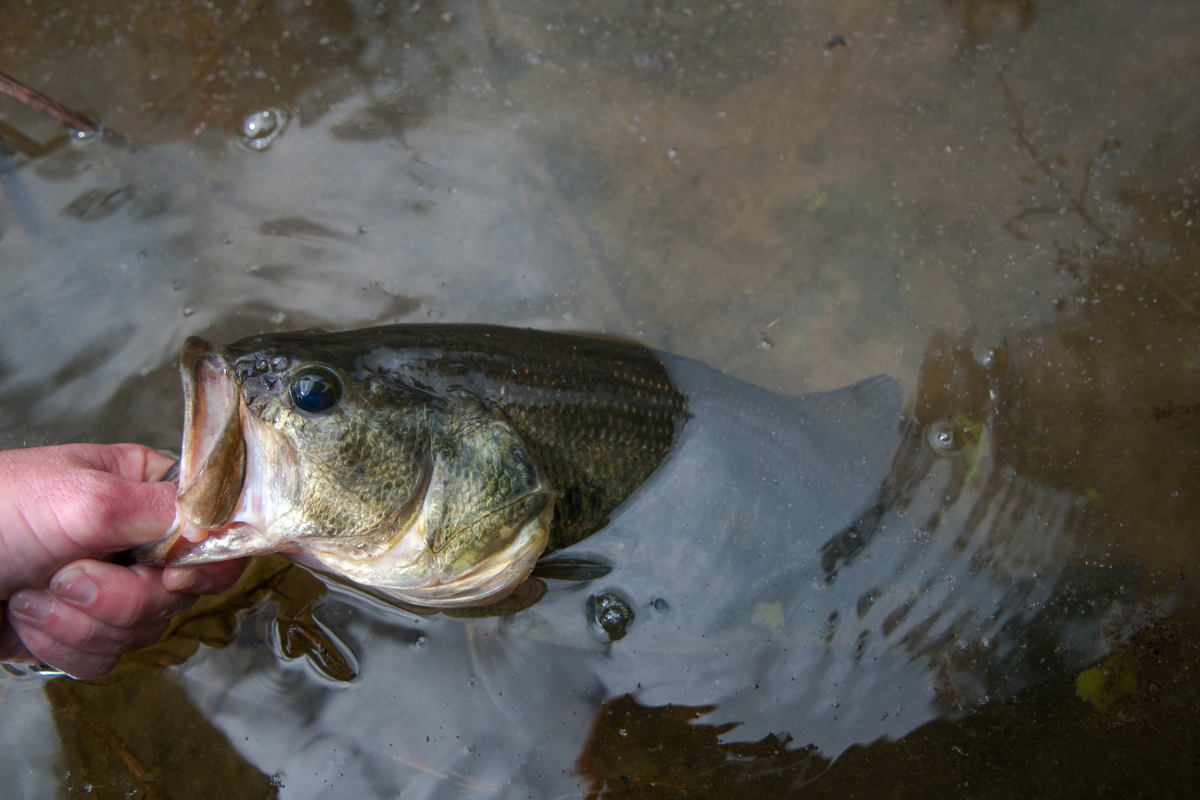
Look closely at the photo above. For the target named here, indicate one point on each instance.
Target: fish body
(435, 463)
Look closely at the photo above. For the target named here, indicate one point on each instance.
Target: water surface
(992, 202)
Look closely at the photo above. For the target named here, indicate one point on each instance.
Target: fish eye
(316, 389)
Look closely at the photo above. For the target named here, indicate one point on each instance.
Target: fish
(432, 463)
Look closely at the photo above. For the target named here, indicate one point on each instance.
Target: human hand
(62, 511)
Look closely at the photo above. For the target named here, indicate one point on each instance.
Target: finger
(122, 596)
(205, 578)
(103, 513)
(133, 462)
(45, 649)
(40, 610)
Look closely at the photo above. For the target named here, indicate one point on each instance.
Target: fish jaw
(213, 463)
(236, 474)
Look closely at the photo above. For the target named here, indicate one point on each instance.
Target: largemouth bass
(433, 463)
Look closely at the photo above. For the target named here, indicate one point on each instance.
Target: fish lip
(212, 463)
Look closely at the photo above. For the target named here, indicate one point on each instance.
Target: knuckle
(105, 505)
(101, 638)
(132, 613)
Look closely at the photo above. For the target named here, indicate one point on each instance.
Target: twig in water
(51, 108)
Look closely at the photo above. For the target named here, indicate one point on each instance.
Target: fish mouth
(214, 517)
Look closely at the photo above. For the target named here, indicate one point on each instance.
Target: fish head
(292, 444)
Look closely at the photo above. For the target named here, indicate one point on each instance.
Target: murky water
(993, 202)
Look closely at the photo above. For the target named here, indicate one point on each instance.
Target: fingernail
(75, 584)
(32, 604)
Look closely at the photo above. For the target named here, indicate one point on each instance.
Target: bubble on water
(420, 640)
(661, 605)
(943, 438)
(83, 139)
(261, 128)
(187, 312)
(278, 317)
(612, 614)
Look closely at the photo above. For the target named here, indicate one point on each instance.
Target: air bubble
(942, 438)
(612, 614)
(262, 127)
(80, 140)
(420, 640)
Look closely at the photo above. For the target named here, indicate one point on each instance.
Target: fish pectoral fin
(570, 569)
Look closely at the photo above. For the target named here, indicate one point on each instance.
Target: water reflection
(994, 202)
(839, 582)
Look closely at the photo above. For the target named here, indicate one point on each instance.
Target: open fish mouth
(245, 488)
(214, 512)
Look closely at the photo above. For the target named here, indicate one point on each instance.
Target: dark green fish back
(598, 414)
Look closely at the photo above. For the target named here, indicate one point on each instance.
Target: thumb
(135, 514)
(136, 462)
(96, 513)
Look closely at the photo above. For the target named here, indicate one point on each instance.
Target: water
(993, 202)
